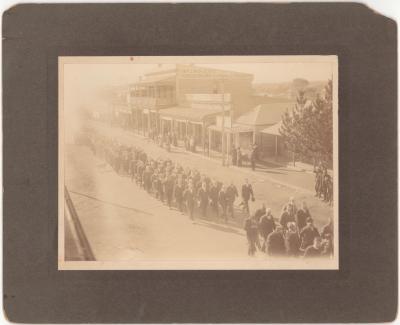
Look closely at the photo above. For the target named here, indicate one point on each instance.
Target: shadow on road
(268, 171)
(218, 227)
(111, 203)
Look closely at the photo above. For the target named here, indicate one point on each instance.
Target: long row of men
(186, 189)
(171, 183)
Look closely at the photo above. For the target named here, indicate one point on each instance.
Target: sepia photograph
(198, 163)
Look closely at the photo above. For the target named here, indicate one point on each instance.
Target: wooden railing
(150, 102)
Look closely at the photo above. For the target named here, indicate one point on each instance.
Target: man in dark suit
(314, 250)
(223, 201)
(234, 156)
(154, 183)
(239, 157)
(266, 226)
(214, 193)
(132, 169)
(139, 173)
(247, 193)
(276, 243)
(327, 230)
(251, 228)
(302, 215)
(169, 188)
(308, 234)
(147, 179)
(202, 196)
(231, 195)
(260, 212)
(327, 238)
(160, 190)
(292, 240)
(253, 157)
(178, 194)
(190, 197)
(285, 217)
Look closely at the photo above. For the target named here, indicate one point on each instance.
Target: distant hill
(289, 90)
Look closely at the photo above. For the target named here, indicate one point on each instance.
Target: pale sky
(83, 80)
(107, 74)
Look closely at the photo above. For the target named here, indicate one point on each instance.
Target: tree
(308, 129)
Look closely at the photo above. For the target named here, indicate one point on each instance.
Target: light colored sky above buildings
(82, 81)
(114, 74)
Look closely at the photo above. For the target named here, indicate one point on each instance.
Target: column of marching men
(186, 189)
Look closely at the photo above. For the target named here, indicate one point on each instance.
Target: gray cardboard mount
(365, 287)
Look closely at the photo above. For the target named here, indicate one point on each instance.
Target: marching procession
(292, 234)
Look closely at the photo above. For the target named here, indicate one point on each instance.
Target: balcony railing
(150, 102)
(165, 101)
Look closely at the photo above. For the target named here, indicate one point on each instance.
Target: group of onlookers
(170, 138)
(323, 184)
(237, 156)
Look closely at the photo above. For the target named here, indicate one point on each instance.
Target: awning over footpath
(265, 114)
(122, 109)
(188, 113)
(234, 129)
(157, 79)
(273, 129)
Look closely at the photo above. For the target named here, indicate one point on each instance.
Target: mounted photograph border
(194, 263)
(34, 36)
